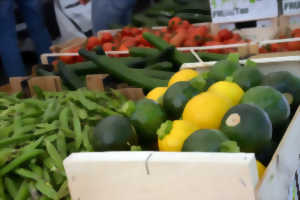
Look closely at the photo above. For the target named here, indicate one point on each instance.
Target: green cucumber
(119, 70)
(69, 77)
(114, 133)
(143, 52)
(165, 66)
(249, 125)
(178, 57)
(158, 74)
(270, 100)
(194, 17)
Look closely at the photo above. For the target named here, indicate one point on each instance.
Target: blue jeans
(9, 50)
(106, 12)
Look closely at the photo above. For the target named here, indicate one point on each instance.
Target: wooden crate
(176, 176)
(54, 84)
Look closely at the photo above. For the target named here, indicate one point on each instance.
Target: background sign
(291, 7)
(224, 11)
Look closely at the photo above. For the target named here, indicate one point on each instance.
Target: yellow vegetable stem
(164, 129)
(198, 82)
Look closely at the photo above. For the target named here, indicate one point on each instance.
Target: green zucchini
(114, 133)
(249, 125)
(69, 77)
(271, 100)
(119, 70)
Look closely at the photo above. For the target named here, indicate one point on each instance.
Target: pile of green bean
(36, 134)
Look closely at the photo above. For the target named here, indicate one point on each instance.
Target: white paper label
(242, 10)
(295, 20)
(291, 7)
(264, 23)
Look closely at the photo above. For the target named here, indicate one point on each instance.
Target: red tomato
(225, 34)
(106, 37)
(263, 50)
(123, 48)
(174, 23)
(236, 36)
(68, 59)
(293, 46)
(296, 32)
(213, 43)
(190, 43)
(107, 46)
(164, 30)
(129, 41)
(167, 37)
(135, 31)
(178, 39)
(92, 43)
(202, 31)
(185, 24)
(126, 31)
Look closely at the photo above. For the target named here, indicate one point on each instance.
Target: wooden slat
(95, 82)
(284, 163)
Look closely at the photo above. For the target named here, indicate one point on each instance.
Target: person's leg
(106, 12)
(9, 50)
(32, 13)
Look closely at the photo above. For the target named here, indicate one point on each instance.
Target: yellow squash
(171, 135)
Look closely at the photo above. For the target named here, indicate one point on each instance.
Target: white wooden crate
(176, 176)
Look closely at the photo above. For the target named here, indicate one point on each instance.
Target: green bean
(2, 192)
(23, 192)
(44, 198)
(17, 125)
(58, 178)
(88, 104)
(55, 156)
(46, 175)
(63, 190)
(46, 189)
(11, 187)
(28, 121)
(51, 138)
(49, 109)
(28, 174)
(19, 160)
(61, 144)
(86, 143)
(33, 145)
(19, 139)
(36, 169)
(5, 155)
(55, 113)
(64, 118)
(49, 163)
(77, 127)
(6, 131)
